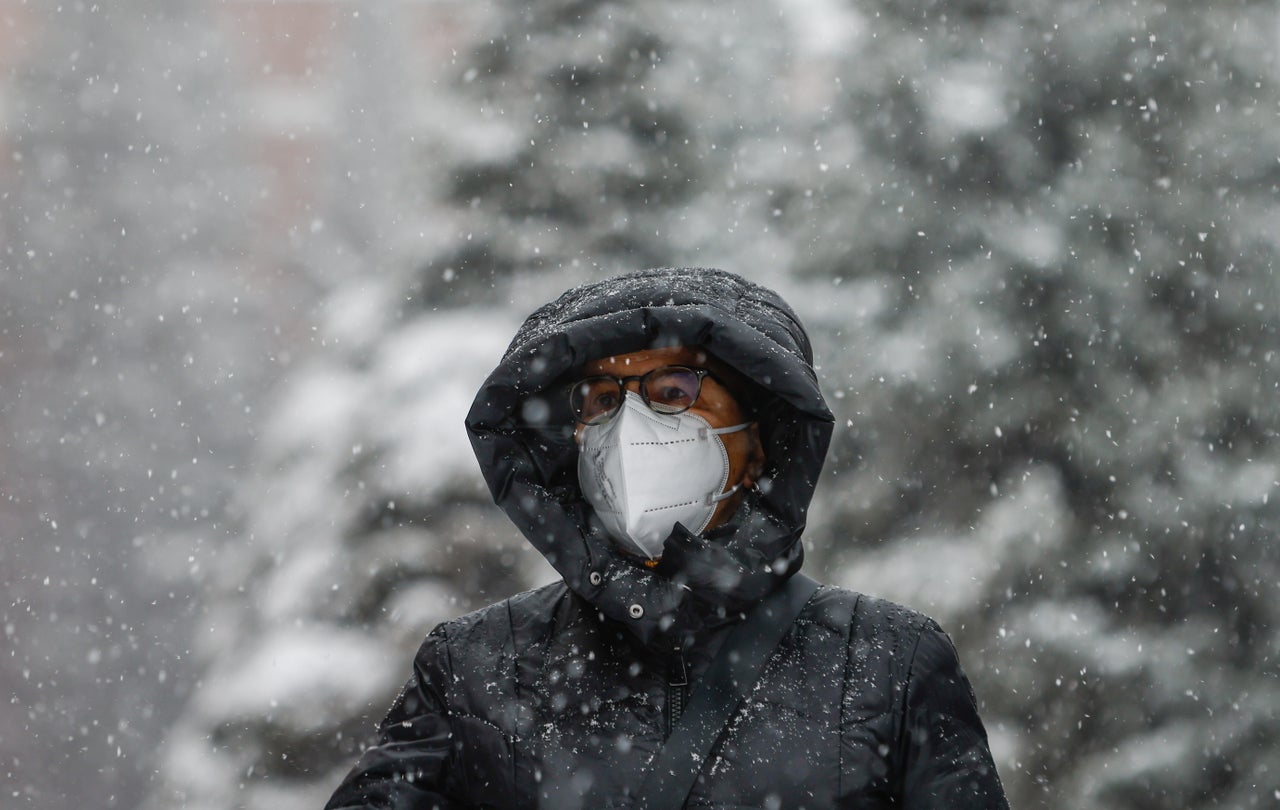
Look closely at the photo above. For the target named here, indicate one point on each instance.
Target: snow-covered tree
(1033, 242)
(1058, 219)
(568, 140)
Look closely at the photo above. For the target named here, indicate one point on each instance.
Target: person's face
(714, 403)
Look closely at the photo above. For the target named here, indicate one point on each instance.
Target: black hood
(521, 429)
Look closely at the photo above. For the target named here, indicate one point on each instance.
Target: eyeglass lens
(671, 389)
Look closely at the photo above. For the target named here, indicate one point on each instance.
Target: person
(657, 437)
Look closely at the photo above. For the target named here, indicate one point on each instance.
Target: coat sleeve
(947, 761)
(411, 766)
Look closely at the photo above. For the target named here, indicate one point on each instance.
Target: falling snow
(256, 258)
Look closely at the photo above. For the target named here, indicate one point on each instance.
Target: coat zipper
(677, 690)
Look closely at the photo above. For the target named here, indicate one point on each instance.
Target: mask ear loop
(708, 432)
(712, 500)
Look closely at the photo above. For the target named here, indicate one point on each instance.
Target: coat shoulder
(522, 608)
(501, 627)
(865, 617)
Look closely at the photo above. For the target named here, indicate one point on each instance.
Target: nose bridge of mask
(636, 404)
(671, 421)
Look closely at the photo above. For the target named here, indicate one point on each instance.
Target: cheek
(737, 445)
(719, 412)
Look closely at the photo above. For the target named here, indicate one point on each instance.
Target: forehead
(632, 363)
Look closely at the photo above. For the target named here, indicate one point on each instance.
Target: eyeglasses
(668, 390)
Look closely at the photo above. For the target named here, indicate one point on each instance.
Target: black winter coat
(560, 697)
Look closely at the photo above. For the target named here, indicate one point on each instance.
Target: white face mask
(644, 471)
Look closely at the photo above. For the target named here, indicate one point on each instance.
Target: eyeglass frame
(700, 373)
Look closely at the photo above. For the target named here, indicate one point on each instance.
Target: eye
(672, 390)
(673, 394)
(603, 402)
(595, 398)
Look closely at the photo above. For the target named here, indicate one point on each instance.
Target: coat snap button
(636, 611)
(595, 578)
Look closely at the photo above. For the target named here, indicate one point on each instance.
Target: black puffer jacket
(559, 697)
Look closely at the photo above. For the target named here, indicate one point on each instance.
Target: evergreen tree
(570, 140)
(1030, 238)
(1060, 436)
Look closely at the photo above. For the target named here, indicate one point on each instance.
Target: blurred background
(256, 257)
